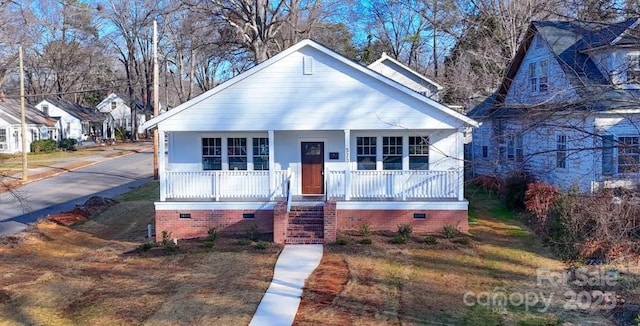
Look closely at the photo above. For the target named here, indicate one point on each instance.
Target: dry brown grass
(55, 275)
(422, 284)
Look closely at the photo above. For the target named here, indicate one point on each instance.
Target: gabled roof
(140, 105)
(339, 59)
(10, 108)
(76, 110)
(570, 43)
(400, 67)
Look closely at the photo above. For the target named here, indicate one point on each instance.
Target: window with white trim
(45, 109)
(366, 153)
(237, 150)
(260, 154)
(212, 153)
(392, 153)
(514, 148)
(561, 151)
(419, 153)
(628, 154)
(633, 67)
(113, 105)
(538, 76)
(3, 138)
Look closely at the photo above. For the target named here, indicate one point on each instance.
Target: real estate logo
(584, 288)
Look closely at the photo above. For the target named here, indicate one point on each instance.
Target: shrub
(365, 241)
(261, 245)
(431, 240)
(365, 230)
(168, 243)
(212, 235)
(539, 199)
(341, 241)
(462, 240)
(68, 144)
(145, 246)
(251, 232)
(166, 237)
(488, 183)
(515, 188)
(244, 242)
(404, 230)
(44, 146)
(122, 133)
(449, 231)
(399, 240)
(208, 244)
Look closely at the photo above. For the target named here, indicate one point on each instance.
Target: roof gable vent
(307, 65)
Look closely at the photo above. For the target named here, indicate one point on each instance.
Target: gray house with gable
(568, 108)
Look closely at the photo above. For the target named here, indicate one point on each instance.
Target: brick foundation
(380, 220)
(275, 221)
(228, 221)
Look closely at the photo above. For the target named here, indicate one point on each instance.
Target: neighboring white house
(397, 71)
(308, 143)
(38, 126)
(568, 109)
(74, 120)
(118, 107)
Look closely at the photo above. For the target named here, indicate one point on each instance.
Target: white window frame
(628, 147)
(212, 151)
(515, 151)
(633, 67)
(260, 150)
(390, 149)
(419, 149)
(561, 151)
(366, 149)
(539, 76)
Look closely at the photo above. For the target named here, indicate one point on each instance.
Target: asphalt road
(63, 192)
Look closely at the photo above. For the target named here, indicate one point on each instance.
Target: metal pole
(23, 123)
(156, 99)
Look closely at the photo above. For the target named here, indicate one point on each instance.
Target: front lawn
(93, 274)
(446, 281)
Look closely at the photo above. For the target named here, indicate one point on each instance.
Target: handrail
(289, 196)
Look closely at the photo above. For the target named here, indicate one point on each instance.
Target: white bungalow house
(118, 106)
(75, 121)
(568, 108)
(38, 126)
(397, 71)
(305, 144)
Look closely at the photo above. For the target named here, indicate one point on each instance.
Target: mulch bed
(323, 286)
(94, 205)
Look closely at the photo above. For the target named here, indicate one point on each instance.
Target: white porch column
(347, 162)
(162, 176)
(272, 164)
(460, 165)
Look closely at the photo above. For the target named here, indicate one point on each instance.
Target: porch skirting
(193, 219)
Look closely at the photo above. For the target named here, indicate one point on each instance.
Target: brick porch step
(305, 225)
(306, 220)
(304, 241)
(305, 234)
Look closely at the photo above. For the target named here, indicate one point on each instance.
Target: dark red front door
(312, 168)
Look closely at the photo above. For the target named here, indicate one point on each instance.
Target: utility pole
(156, 99)
(23, 122)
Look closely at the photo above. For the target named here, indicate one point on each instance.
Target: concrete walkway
(280, 303)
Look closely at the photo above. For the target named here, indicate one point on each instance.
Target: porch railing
(413, 184)
(340, 184)
(225, 184)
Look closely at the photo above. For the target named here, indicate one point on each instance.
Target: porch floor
(305, 198)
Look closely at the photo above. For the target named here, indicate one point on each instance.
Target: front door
(312, 168)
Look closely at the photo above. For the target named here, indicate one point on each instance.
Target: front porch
(339, 185)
